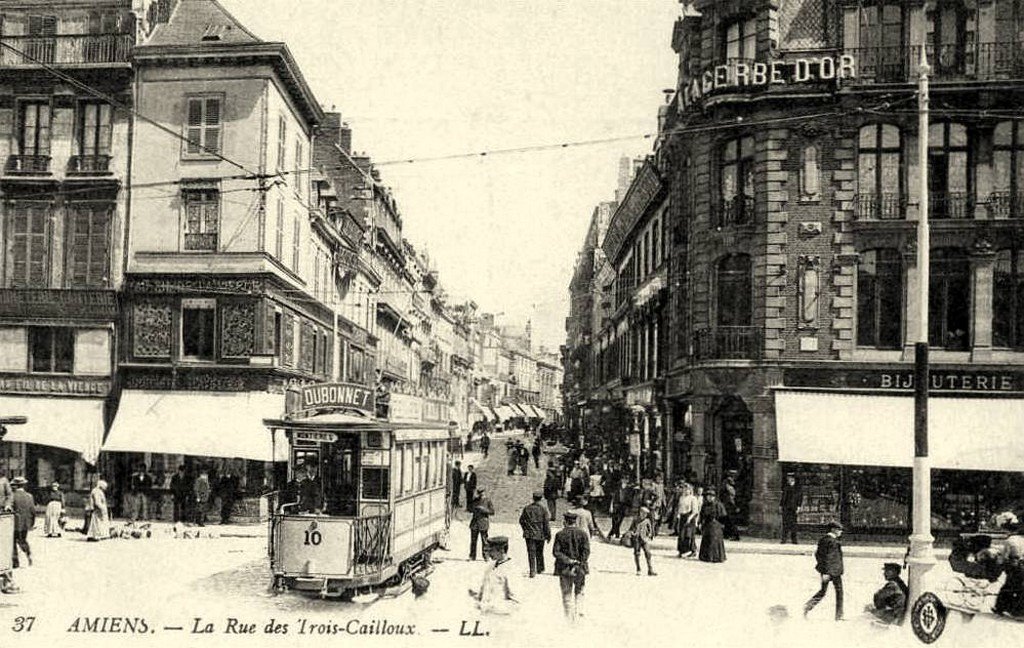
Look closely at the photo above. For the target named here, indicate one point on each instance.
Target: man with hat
(552, 485)
(499, 588)
(891, 600)
(571, 549)
(584, 518)
(829, 557)
(792, 498)
(482, 510)
(24, 506)
(536, 532)
(309, 489)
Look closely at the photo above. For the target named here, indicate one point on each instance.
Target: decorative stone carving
(287, 340)
(306, 347)
(151, 330)
(238, 330)
(810, 229)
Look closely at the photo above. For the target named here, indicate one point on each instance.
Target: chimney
(345, 138)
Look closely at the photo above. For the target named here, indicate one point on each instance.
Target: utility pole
(922, 550)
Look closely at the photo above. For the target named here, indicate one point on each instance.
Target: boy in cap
(498, 590)
(891, 600)
(643, 533)
(829, 557)
(536, 531)
(572, 551)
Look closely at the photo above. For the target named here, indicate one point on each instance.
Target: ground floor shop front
(846, 433)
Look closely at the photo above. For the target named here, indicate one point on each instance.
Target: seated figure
(890, 602)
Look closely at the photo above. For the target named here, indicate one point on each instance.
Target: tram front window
(341, 472)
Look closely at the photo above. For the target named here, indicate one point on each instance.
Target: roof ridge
(234, 20)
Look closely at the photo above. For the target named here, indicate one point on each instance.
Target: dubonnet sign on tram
(340, 395)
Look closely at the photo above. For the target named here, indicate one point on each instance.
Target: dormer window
(740, 39)
(213, 33)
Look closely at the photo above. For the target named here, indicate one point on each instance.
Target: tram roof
(337, 421)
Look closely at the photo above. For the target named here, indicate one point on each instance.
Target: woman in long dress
(712, 515)
(54, 509)
(99, 525)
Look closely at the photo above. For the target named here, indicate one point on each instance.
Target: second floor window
(29, 247)
(203, 129)
(950, 180)
(51, 349)
(1008, 170)
(198, 330)
(880, 180)
(202, 218)
(88, 251)
(736, 181)
(880, 299)
(733, 296)
(1008, 300)
(949, 300)
(42, 42)
(279, 231)
(741, 39)
(94, 127)
(34, 128)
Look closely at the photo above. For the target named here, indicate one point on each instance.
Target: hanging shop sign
(337, 395)
(745, 75)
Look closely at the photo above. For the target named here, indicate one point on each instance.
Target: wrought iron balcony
(28, 164)
(980, 62)
(72, 49)
(880, 206)
(950, 205)
(727, 343)
(737, 210)
(89, 164)
(1005, 204)
(206, 241)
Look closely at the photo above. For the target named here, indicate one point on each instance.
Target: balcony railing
(880, 206)
(951, 205)
(89, 164)
(28, 164)
(981, 62)
(73, 49)
(737, 210)
(201, 241)
(727, 343)
(1005, 204)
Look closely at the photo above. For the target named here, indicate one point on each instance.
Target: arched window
(733, 290)
(1008, 170)
(950, 178)
(1008, 300)
(880, 299)
(879, 163)
(949, 303)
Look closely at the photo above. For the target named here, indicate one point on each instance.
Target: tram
(366, 500)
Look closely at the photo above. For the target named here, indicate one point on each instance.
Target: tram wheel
(928, 618)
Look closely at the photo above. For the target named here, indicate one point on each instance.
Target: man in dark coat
(536, 532)
(792, 498)
(572, 551)
(829, 557)
(511, 456)
(535, 451)
(457, 484)
(891, 600)
(485, 444)
(139, 488)
(309, 488)
(552, 485)
(482, 510)
(24, 507)
(227, 484)
(732, 531)
(180, 490)
(469, 482)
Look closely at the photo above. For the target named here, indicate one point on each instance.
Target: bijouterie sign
(739, 74)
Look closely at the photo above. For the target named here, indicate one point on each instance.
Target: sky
(427, 78)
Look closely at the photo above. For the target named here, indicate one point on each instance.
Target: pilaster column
(983, 260)
(913, 297)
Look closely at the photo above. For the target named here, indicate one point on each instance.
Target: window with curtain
(740, 40)
(202, 218)
(882, 55)
(880, 179)
(1008, 300)
(880, 299)
(736, 181)
(34, 128)
(94, 127)
(733, 291)
(950, 177)
(1007, 170)
(949, 303)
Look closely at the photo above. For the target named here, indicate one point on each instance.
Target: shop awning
(877, 430)
(518, 409)
(70, 423)
(491, 414)
(505, 412)
(201, 424)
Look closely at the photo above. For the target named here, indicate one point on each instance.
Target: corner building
(791, 153)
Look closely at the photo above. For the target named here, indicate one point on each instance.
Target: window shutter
(212, 124)
(106, 125)
(211, 217)
(19, 253)
(195, 123)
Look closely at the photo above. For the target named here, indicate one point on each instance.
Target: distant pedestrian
(712, 516)
(99, 523)
(643, 535)
(24, 506)
(227, 485)
(536, 532)
(180, 491)
(499, 590)
(480, 524)
(469, 483)
(552, 485)
(687, 510)
(792, 498)
(585, 518)
(139, 487)
(201, 490)
(485, 444)
(54, 512)
(535, 451)
(571, 549)
(511, 457)
(732, 530)
(829, 564)
(456, 484)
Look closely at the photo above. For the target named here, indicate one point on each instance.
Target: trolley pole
(922, 550)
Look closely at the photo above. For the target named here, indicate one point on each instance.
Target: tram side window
(429, 459)
(375, 483)
(407, 468)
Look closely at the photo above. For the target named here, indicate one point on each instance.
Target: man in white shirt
(584, 518)
(499, 590)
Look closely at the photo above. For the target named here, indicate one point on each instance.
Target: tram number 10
(313, 538)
